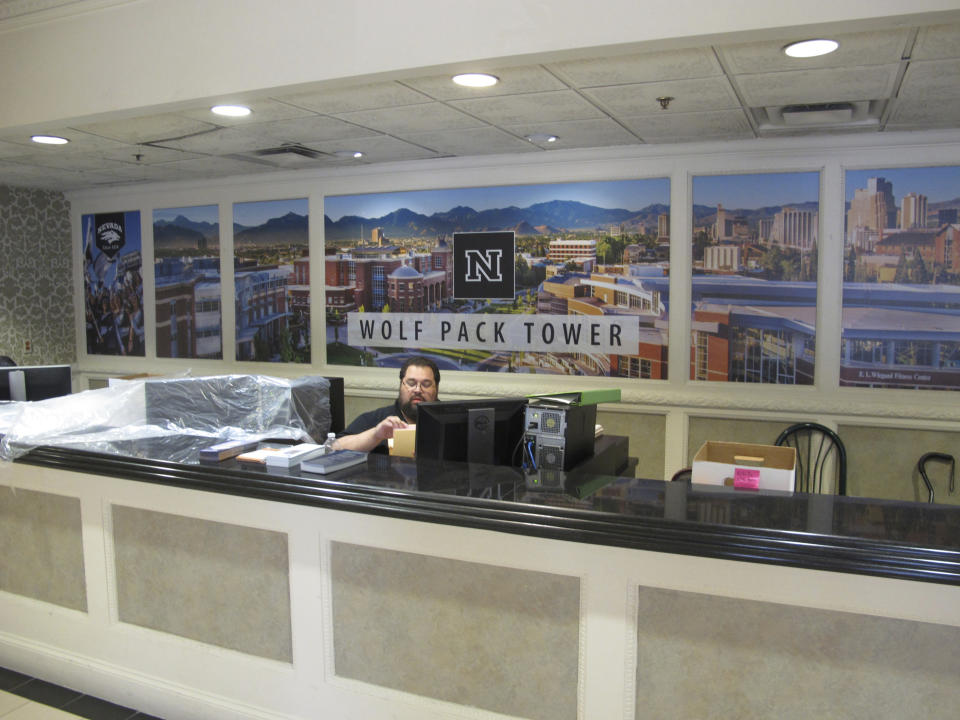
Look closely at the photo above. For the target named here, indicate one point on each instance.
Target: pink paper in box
(746, 478)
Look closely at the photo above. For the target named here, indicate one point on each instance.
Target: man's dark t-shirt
(370, 419)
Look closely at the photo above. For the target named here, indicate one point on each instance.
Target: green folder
(580, 397)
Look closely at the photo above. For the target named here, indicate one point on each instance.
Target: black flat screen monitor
(42, 381)
(448, 430)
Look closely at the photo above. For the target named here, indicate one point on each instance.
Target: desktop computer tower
(559, 437)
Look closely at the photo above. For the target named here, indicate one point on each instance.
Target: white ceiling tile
(640, 68)
(8, 149)
(226, 141)
(535, 107)
(80, 142)
(936, 42)
(215, 167)
(264, 110)
(44, 178)
(579, 134)
(376, 148)
(675, 127)
(512, 81)
(937, 112)
(363, 97)
(856, 49)
(931, 81)
(688, 96)
(148, 154)
(475, 141)
(74, 161)
(150, 128)
(412, 119)
(818, 86)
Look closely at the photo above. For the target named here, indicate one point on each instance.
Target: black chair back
(819, 449)
(683, 475)
(940, 457)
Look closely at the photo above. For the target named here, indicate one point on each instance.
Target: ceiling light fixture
(231, 110)
(355, 154)
(49, 140)
(476, 80)
(811, 48)
(542, 138)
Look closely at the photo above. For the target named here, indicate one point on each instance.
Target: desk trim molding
(788, 548)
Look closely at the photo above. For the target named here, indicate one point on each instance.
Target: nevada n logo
(483, 266)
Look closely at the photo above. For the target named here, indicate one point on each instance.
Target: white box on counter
(743, 465)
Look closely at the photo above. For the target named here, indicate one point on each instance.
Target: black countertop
(915, 541)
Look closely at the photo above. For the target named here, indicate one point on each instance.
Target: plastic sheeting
(172, 418)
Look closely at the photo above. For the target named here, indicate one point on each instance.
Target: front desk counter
(408, 589)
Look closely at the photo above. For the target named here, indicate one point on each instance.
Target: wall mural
(113, 283)
(564, 278)
(754, 285)
(272, 280)
(901, 289)
(186, 271)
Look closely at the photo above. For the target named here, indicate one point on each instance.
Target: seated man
(419, 382)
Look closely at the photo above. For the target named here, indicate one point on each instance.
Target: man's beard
(410, 409)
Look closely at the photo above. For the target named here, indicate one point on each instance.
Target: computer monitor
(39, 382)
(487, 431)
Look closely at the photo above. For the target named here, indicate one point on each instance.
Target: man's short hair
(421, 361)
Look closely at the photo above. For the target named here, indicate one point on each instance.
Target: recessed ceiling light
(542, 138)
(49, 140)
(355, 154)
(811, 48)
(476, 80)
(231, 110)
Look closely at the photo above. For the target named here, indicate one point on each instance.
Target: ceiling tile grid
(902, 78)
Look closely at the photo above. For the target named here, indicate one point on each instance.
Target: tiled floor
(25, 698)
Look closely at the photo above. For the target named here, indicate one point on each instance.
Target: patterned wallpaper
(36, 277)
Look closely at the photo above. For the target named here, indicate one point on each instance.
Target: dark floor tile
(46, 693)
(93, 708)
(10, 679)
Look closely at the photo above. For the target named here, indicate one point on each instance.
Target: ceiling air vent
(290, 149)
(806, 118)
(818, 114)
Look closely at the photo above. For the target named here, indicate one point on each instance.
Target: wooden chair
(820, 456)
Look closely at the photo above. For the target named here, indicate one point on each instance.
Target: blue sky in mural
(626, 194)
(937, 183)
(749, 192)
(251, 214)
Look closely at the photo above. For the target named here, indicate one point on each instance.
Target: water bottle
(328, 446)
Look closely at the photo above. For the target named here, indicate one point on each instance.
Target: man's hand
(385, 427)
(369, 439)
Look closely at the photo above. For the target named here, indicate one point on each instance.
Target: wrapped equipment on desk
(171, 416)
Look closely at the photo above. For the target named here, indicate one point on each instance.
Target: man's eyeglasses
(424, 384)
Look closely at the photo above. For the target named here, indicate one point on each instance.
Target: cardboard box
(404, 442)
(763, 467)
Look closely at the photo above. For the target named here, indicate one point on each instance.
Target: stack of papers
(331, 462)
(294, 455)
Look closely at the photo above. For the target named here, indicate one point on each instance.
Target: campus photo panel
(186, 272)
(901, 279)
(271, 274)
(560, 278)
(754, 284)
